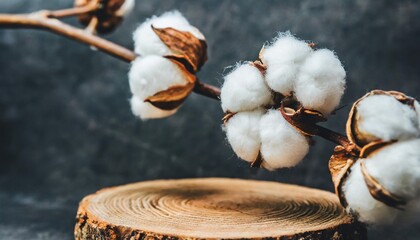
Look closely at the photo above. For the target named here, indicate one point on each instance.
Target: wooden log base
(214, 209)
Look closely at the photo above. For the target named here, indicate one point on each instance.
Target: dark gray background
(66, 129)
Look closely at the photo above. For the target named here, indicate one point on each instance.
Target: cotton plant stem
(207, 90)
(334, 137)
(91, 28)
(42, 20)
(75, 11)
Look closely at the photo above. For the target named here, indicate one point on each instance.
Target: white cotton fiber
(386, 118)
(397, 168)
(281, 145)
(146, 42)
(362, 203)
(126, 8)
(145, 110)
(321, 82)
(151, 74)
(417, 107)
(283, 59)
(243, 134)
(244, 89)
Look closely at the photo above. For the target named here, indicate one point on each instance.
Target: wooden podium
(213, 209)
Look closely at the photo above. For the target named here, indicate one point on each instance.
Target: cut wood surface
(214, 208)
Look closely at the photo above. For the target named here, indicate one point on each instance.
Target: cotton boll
(126, 8)
(286, 49)
(151, 74)
(360, 202)
(386, 118)
(283, 59)
(397, 168)
(244, 89)
(243, 134)
(282, 79)
(145, 110)
(281, 145)
(321, 82)
(146, 42)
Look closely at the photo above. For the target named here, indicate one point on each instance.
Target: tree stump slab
(214, 209)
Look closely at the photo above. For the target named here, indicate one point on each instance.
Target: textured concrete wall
(66, 126)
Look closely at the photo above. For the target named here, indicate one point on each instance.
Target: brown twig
(75, 11)
(334, 137)
(207, 90)
(91, 27)
(42, 20)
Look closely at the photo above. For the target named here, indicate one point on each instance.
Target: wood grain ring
(214, 209)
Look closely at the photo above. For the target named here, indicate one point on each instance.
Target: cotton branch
(207, 90)
(40, 20)
(44, 20)
(334, 137)
(49, 21)
(75, 11)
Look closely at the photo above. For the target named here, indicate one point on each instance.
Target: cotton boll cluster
(397, 168)
(171, 52)
(287, 69)
(385, 125)
(316, 77)
(253, 130)
(147, 42)
(146, 78)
